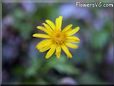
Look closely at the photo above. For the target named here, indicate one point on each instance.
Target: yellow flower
(56, 39)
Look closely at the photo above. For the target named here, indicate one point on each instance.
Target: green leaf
(66, 68)
(62, 65)
(88, 78)
(33, 68)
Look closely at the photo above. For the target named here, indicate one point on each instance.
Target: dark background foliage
(92, 62)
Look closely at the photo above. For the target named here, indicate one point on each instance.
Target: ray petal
(51, 24)
(66, 50)
(58, 23)
(47, 27)
(73, 39)
(45, 48)
(44, 29)
(41, 35)
(58, 51)
(43, 43)
(71, 45)
(68, 27)
(72, 32)
(51, 51)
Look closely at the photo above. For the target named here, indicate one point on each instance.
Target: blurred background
(92, 62)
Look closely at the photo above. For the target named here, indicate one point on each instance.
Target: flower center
(59, 37)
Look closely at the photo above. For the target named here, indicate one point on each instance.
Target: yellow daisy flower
(56, 39)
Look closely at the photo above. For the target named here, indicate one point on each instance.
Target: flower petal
(58, 51)
(58, 23)
(47, 27)
(73, 39)
(41, 35)
(71, 45)
(72, 32)
(45, 48)
(43, 43)
(67, 28)
(44, 29)
(51, 51)
(51, 24)
(66, 50)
